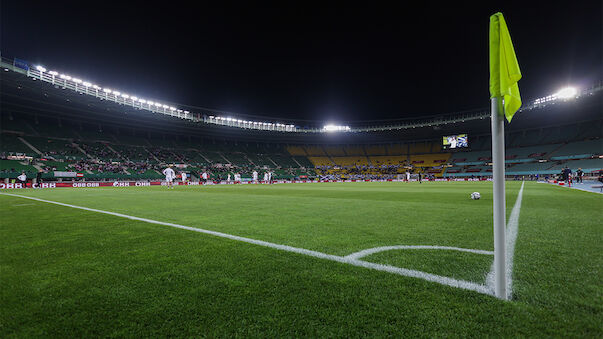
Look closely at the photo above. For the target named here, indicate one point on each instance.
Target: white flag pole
(498, 179)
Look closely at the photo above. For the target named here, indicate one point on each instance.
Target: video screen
(455, 141)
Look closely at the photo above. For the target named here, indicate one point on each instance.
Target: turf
(69, 272)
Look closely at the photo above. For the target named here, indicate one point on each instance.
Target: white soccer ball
(475, 195)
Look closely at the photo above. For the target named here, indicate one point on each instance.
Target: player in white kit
(255, 176)
(170, 175)
(184, 177)
(453, 142)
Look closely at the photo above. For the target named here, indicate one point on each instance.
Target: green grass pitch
(67, 272)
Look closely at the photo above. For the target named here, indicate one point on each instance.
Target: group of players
(171, 176)
(569, 177)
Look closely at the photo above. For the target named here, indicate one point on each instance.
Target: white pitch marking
(468, 285)
(511, 237)
(371, 251)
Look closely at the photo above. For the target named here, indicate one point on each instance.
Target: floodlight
(106, 90)
(172, 108)
(87, 84)
(125, 96)
(134, 98)
(165, 106)
(142, 101)
(66, 77)
(41, 68)
(334, 128)
(566, 93)
(116, 93)
(96, 87)
(53, 73)
(77, 81)
(186, 112)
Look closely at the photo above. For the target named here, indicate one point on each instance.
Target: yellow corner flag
(504, 69)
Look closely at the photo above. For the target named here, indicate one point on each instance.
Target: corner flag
(504, 69)
(504, 96)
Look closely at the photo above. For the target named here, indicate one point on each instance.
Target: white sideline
(511, 238)
(351, 259)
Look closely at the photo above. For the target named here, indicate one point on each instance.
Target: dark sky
(310, 60)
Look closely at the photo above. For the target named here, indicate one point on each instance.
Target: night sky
(313, 61)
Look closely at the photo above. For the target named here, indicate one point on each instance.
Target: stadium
(283, 227)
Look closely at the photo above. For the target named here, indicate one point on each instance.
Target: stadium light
(87, 84)
(563, 94)
(335, 128)
(77, 81)
(53, 73)
(116, 93)
(106, 90)
(41, 68)
(566, 93)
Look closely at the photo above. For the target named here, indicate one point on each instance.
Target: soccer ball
(475, 195)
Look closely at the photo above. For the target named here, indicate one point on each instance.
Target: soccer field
(271, 268)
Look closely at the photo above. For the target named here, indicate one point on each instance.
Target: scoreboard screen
(455, 141)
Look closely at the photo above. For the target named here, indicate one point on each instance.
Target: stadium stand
(315, 150)
(354, 150)
(12, 144)
(578, 150)
(139, 144)
(397, 149)
(296, 150)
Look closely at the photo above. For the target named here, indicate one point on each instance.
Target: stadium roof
(214, 117)
(24, 95)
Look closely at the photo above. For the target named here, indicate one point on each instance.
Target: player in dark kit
(39, 178)
(566, 173)
(579, 174)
